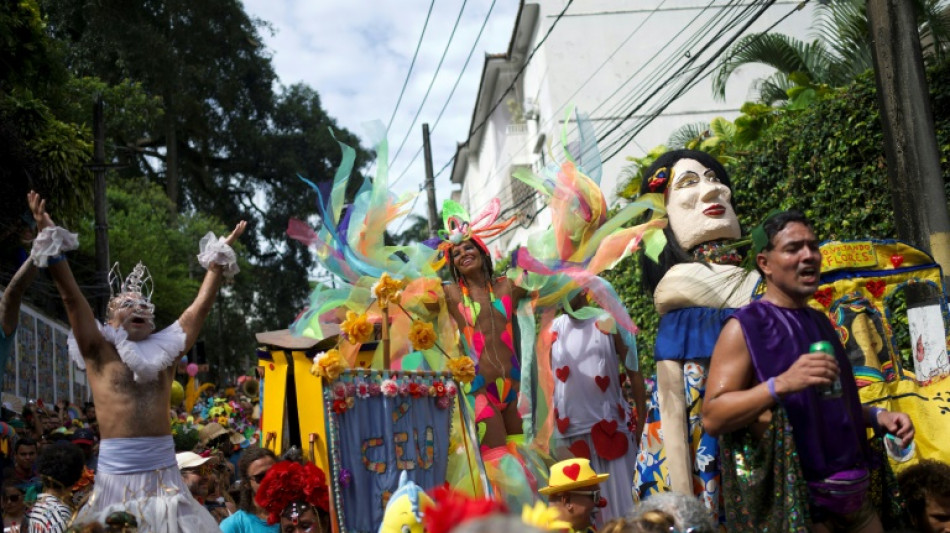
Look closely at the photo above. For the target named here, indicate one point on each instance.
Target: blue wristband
(875, 425)
(771, 386)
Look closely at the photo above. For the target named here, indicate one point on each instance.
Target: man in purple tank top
(763, 362)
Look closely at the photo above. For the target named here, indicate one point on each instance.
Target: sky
(357, 55)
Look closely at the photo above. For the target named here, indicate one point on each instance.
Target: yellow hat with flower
(572, 474)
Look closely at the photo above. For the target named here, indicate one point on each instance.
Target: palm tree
(840, 51)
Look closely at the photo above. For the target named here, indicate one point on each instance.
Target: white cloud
(356, 55)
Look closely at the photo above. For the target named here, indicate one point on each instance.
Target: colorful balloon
(178, 394)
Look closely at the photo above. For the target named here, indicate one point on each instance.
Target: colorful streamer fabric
(349, 244)
(584, 240)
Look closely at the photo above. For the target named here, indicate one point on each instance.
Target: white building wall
(568, 69)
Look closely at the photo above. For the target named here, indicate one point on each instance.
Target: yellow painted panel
(275, 400)
(928, 406)
(310, 413)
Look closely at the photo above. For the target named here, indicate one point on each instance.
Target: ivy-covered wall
(826, 160)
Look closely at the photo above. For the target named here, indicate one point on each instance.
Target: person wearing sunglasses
(196, 473)
(13, 505)
(250, 517)
(574, 489)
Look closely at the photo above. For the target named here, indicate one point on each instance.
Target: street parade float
(863, 291)
(367, 380)
(365, 425)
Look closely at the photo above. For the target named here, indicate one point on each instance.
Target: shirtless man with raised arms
(130, 369)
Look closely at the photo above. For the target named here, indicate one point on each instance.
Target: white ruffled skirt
(158, 498)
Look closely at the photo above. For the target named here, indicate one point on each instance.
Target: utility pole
(910, 144)
(102, 225)
(913, 163)
(430, 183)
(98, 166)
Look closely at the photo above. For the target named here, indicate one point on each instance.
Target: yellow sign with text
(838, 255)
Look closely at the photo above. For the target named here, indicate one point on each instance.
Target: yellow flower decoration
(463, 369)
(543, 517)
(421, 335)
(328, 365)
(357, 328)
(387, 289)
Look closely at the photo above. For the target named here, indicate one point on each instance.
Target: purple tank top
(829, 433)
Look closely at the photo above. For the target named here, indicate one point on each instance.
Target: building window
(524, 198)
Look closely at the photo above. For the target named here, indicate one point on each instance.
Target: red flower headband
(288, 482)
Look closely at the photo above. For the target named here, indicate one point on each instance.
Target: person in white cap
(130, 368)
(195, 471)
(574, 489)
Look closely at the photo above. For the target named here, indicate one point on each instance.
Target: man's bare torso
(126, 408)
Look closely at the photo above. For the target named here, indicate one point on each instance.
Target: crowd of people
(752, 426)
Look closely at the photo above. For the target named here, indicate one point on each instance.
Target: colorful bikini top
(470, 309)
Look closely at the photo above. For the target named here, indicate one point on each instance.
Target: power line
(458, 79)
(676, 73)
(611, 56)
(431, 83)
(695, 38)
(684, 86)
(675, 54)
(556, 116)
(411, 65)
(649, 117)
(513, 82)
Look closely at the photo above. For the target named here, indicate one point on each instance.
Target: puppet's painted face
(698, 205)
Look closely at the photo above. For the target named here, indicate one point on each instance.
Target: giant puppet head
(698, 197)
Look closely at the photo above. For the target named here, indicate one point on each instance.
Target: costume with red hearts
(589, 408)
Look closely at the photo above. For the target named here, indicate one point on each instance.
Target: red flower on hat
(288, 482)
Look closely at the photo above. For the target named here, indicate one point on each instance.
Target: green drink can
(834, 390)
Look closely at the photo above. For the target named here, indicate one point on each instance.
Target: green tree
(39, 148)
(840, 52)
(205, 62)
(221, 140)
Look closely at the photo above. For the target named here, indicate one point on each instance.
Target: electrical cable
(679, 52)
(676, 73)
(694, 38)
(431, 83)
(556, 116)
(513, 82)
(458, 79)
(411, 65)
(684, 86)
